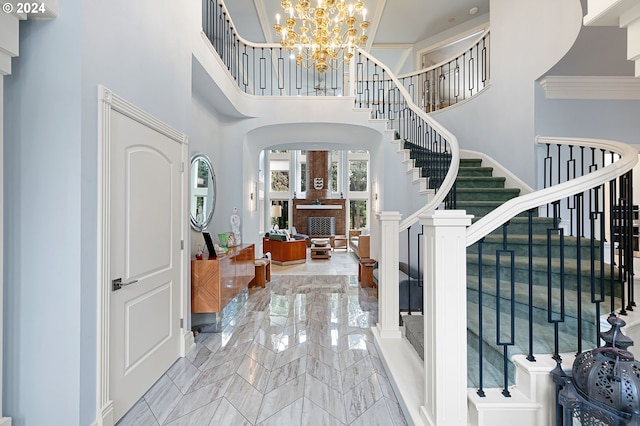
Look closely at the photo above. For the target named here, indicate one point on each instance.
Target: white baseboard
(105, 417)
(188, 342)
(405, 370)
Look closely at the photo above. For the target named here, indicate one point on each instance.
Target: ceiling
(396, 25)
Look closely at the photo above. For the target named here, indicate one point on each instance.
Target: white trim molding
(591, 87)
(108, 102)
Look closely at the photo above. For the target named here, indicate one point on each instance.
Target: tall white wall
(526, 40)
(42, 176)
(142, 51)
(1, 236)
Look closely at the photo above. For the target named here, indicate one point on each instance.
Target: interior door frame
(108, 102)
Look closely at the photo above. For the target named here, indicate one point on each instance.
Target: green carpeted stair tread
(493, 353)
(539, 301)
(475, 171)
(499, 195)
(519, 243)
(479, 182)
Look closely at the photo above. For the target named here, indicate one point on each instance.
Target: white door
(145, 234)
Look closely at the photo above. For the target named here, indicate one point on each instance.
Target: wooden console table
(285, 252)
(215, 282)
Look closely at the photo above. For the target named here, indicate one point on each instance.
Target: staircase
(479, 192)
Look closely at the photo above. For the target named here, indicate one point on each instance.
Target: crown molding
(591, 87)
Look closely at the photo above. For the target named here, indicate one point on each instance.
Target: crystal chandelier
(322, 36)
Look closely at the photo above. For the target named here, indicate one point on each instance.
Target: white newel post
(445, 318)
(388, 292)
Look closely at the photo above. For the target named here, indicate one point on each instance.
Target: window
(279, 176)
(303, 177)
(358, 175)
(358, 214)
(334, 176)
(280, 214)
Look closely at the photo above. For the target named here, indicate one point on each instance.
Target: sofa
(360, 244)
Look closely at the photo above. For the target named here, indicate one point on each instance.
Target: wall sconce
(253, 196)
(375, 196)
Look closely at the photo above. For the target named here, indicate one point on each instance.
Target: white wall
(525, 42)
(42, 169)
(1, 235)
(50, 165)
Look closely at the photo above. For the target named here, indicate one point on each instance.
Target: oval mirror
(203, 192)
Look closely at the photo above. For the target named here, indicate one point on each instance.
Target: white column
(352, 76)
(388, 291)
(445, 317)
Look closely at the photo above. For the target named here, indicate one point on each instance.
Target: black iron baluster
(480, 327)
(530, 356)
(511, 341)
(632, 247)
(577, 202)
(593, 216)
(409, 268)
(550, 316)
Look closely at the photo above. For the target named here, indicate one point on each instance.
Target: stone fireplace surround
(330, 207)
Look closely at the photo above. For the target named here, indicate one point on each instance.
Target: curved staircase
(479, 192)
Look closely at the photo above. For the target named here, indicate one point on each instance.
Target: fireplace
(321, 226)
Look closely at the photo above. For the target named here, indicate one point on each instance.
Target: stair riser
(482, 171)
(480, 182)
(486, 194)
(490, 356)
(477, 210)
(539, 278)
(538, 250)
(470, 162)
(539, 226)
(540, 314)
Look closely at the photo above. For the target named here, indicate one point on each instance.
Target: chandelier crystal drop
(322, 36)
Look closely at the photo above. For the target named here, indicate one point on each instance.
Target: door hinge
(181, 322)
(181, 244)
(182, 166)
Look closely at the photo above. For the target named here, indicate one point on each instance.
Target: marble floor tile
(162, 398)
(376, 415)
(244, 397)
(289, 415)
(299, 352)
(395, 411)
(199, 355)
(356, 373)
(263, 355)
(325, 355)
(254, 373)
(199, 398)
(280, 397)
(287, 372)
(326, 398)
(228, 415)
(362, 397)
(290, 354)
(198, 417)
(213, 375)
(314, 415)
(183, 373)
(139, 414)
(325, 373)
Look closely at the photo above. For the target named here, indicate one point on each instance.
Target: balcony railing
(453, 80)
(265, 69)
